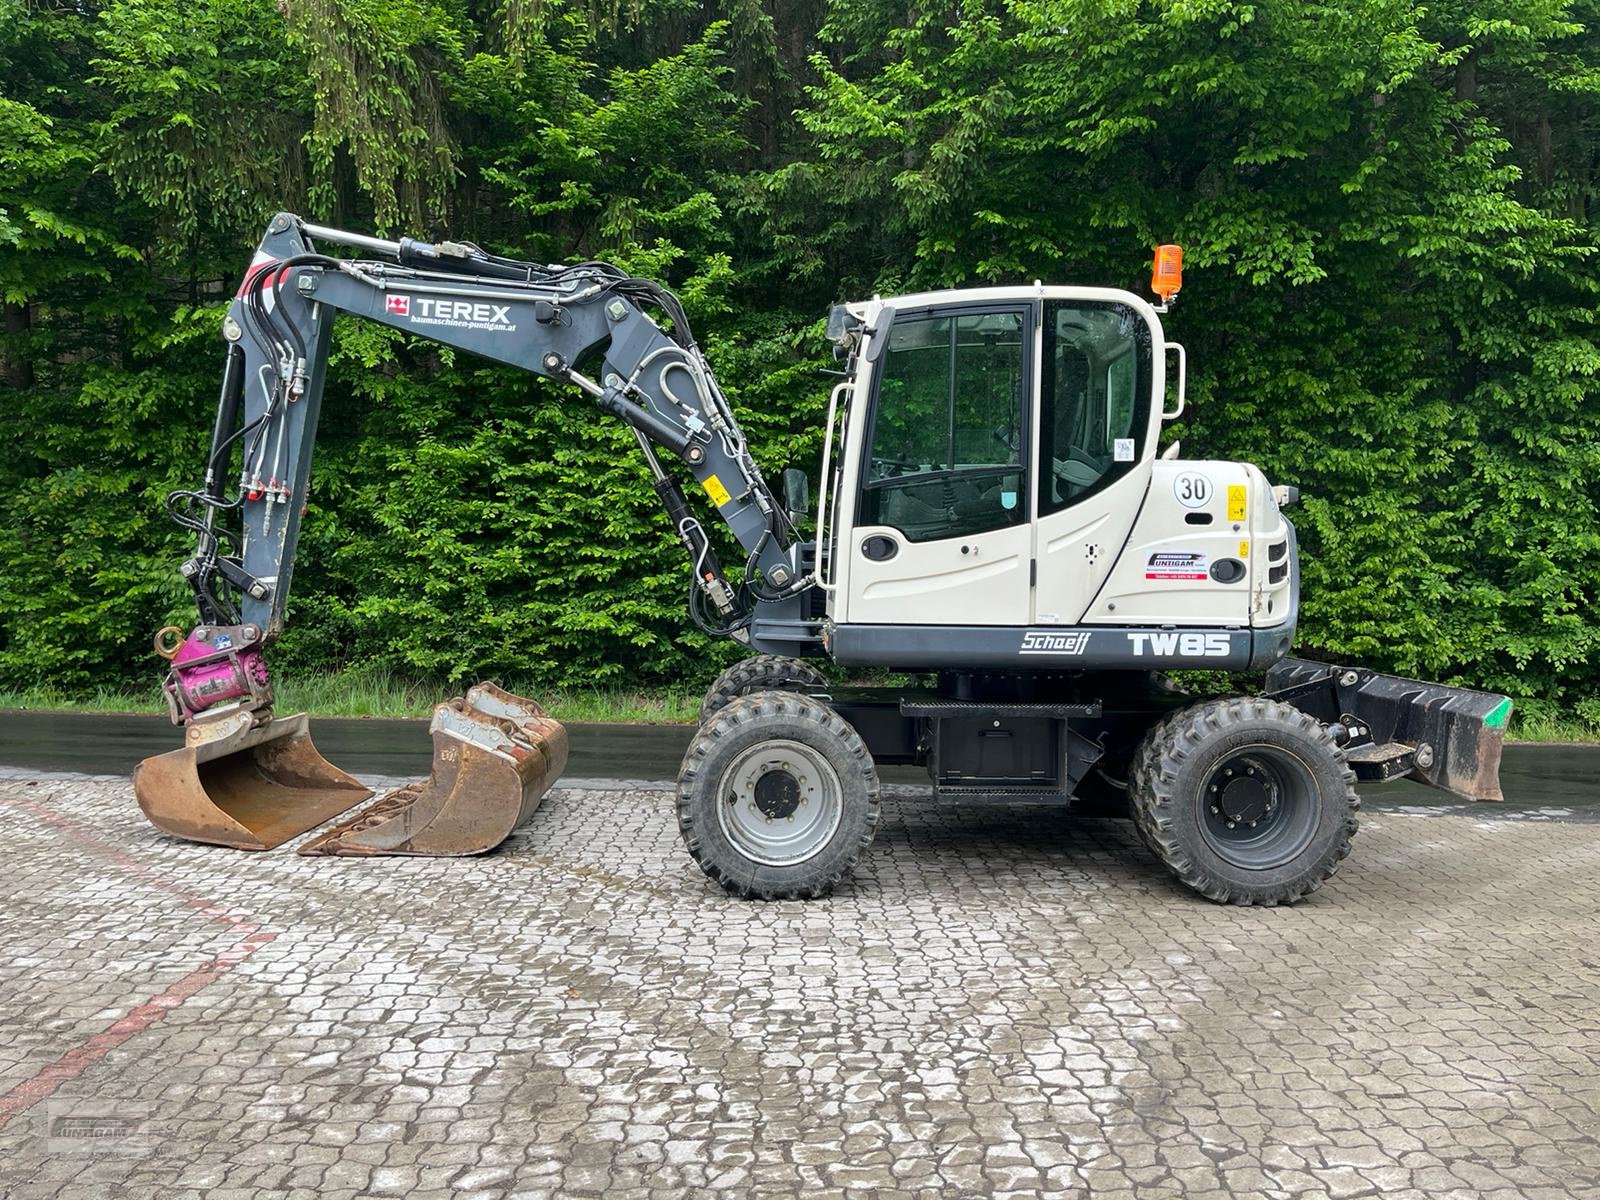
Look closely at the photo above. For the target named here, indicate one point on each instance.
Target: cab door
(1096, 441)
(942, 532)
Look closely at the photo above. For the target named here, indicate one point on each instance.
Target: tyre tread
(758, 673)
(774, 706)
(1153, 796)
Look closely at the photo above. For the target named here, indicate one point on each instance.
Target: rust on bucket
(495, 755)
(245, 785)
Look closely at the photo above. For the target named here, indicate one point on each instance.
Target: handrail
(822, 486)
(1183, 383)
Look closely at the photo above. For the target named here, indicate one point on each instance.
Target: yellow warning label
(1244, 549)
(719, 494)
(1236, 494)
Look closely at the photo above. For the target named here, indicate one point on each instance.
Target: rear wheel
(777, 797)
(759, 673)
(1248, 801)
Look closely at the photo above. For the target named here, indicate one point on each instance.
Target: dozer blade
(250, 787)
(1446, 737)
(495, 755)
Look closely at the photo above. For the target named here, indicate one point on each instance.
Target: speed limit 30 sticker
(1191, 489)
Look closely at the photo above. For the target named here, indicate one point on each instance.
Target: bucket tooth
(236, 783)
(495, 755)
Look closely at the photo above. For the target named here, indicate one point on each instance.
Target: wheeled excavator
(993, 521)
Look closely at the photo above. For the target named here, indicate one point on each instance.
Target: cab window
(947, 452)
(1095, 398)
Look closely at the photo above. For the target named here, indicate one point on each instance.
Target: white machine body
(997, 495)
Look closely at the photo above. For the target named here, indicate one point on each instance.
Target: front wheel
(777, 797)
(1247, 800)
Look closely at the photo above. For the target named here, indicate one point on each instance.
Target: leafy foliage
(1387, 210)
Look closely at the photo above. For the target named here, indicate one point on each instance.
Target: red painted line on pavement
(104, 849)
(80, 1058)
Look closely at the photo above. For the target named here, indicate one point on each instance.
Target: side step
(1000, 795)
(1380, 762)
(495, 755)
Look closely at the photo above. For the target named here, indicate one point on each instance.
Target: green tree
(1388, 212)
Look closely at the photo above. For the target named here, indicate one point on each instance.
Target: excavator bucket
(495, 755)
(252, 787)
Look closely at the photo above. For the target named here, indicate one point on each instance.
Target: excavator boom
(496, 754)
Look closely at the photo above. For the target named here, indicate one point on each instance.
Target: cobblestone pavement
(1000, 1003)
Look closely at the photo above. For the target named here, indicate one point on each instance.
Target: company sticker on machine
(1043, 641)
(1149, 643)
(1176, 564)
(457, 314)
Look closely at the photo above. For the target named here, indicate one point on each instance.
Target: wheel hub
(1246, 798)
(1259, 807)
(782, 801)
(777, 794)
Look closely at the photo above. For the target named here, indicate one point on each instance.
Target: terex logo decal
(1185, 645)
(1041, 641)
(461, 314)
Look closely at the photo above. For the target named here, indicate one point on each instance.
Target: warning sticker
(1236, 498)
(1176, 564)
(714, 489)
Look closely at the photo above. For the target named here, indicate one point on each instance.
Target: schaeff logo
(1039, 641)
(425, 310)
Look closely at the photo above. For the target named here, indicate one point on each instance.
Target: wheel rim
(780, 803)
(1259, 807)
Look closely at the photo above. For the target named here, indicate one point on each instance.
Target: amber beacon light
(1167, 277)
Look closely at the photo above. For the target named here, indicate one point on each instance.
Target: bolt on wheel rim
(780, 803)
(1259, 807)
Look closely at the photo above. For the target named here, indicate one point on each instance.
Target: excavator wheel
(1247, 801)
(777, 797)
(760, 673)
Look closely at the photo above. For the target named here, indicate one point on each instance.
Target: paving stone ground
(1000, 1003)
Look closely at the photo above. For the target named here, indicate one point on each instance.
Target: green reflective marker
(1499, 716)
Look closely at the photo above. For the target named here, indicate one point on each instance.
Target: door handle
(879, 548)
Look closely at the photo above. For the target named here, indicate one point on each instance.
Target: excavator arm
(248, 780)
(589, 325)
